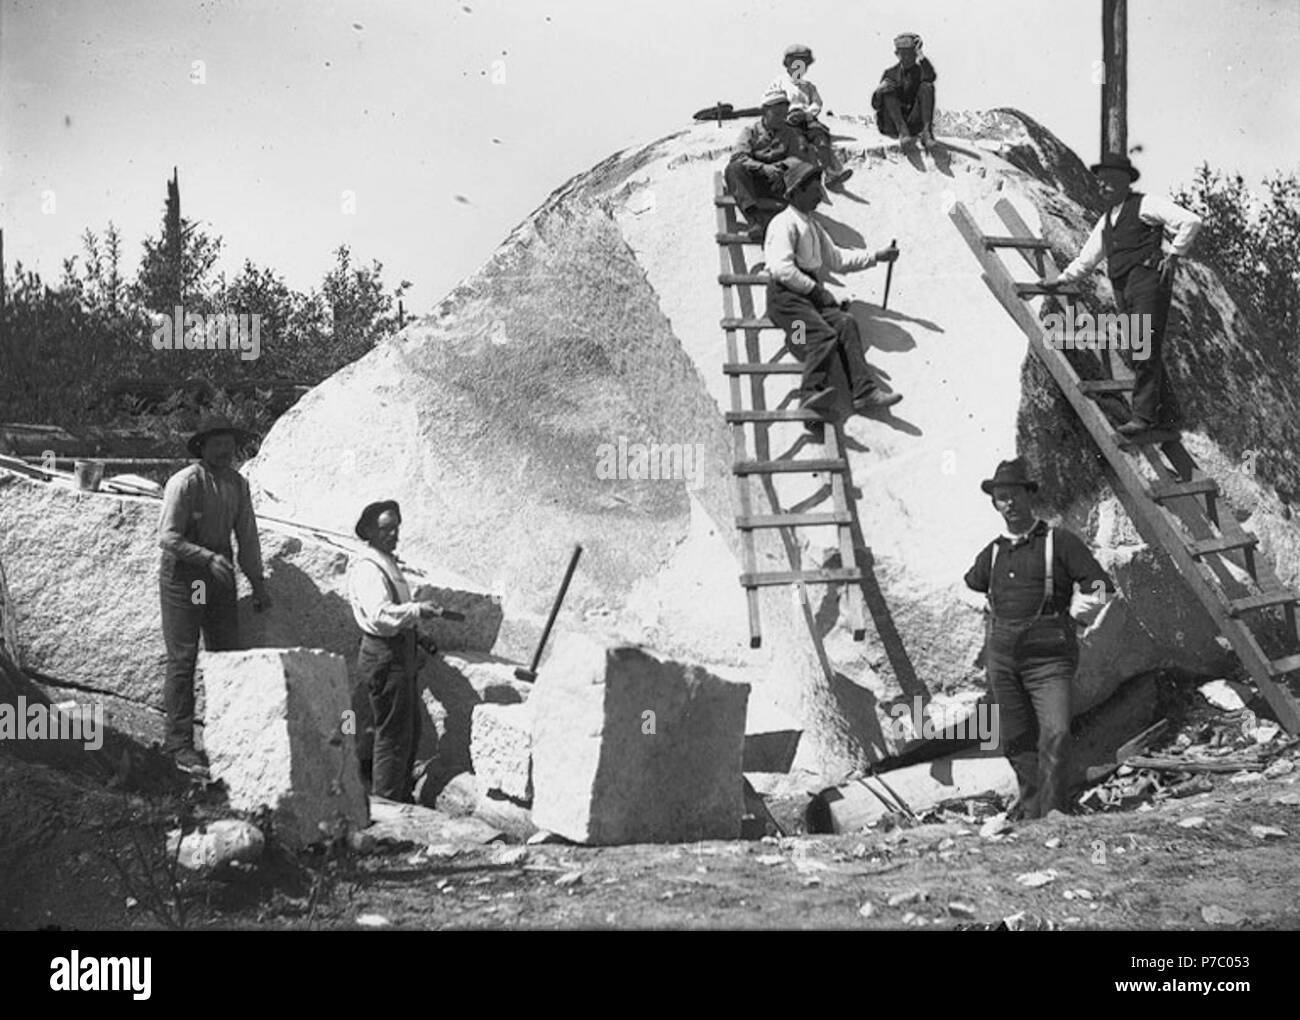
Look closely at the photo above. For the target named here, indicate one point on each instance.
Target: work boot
(927, 138)
(836, 183)
(757, 232)
(190, 762)
(875, 401)
(906, 139)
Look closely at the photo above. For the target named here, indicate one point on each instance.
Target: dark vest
(1130, 242)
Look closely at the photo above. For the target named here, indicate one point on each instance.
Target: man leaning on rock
(202, 505)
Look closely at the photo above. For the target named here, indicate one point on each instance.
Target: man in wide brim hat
(203, 504)
(1130, 237)
(216, 425)
(1030, 574)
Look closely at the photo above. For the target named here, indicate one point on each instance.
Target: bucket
(88, 473)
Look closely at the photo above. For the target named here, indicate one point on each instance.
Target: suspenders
(1049, 579)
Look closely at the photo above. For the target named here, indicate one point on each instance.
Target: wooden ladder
(1175, 505)
(739, 317)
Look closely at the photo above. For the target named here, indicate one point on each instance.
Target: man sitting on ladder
(817, 331)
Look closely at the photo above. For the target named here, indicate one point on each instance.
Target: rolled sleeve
(1088, 259)
(977, 578)
(374, 607)
(1182, 223)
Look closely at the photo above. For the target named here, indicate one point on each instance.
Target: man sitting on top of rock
(805, 107)
(818, 332)
(904, 99)
(759, 160)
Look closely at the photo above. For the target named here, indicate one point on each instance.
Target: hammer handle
(555, 609)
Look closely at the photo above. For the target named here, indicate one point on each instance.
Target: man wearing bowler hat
(1029, 574)
(387, 662)
(1130, 237)
(202, 505)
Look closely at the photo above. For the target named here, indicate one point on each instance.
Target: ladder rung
(992, 241)
(1206, 546)
(1033, 289)
(793, 576)
(1279, 666)
(743, 279)
(749, 323)
(1091, 386)
(1152, 437)
(738, 239)
(786, 467)
(1271, 598)
(785, 414)
(768, 204)
(1161, 491)
(762, 368)
(793, 520)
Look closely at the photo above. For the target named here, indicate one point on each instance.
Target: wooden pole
(1114, 86)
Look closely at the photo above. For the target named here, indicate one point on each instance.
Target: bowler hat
(215, 425)
(1116, 161)
(798, 172)
(372, 513)
(1010, 472)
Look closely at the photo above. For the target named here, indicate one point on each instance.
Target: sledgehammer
(530, 675)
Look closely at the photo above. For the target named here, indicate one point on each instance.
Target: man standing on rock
(904, 99)
(1031, 650)
(818, 332)
(387, 661)
(759, 159)
(1130, 237)
(202, 505)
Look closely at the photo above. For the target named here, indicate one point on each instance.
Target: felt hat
(1010, 472)
(215, 425)
(797, 52)
(1116, 161)
(906, 41)
(372, 513)
(797, 172)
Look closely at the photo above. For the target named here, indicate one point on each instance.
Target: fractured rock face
(630, 748)
(275, 736)
(501, 744)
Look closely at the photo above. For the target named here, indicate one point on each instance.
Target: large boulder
(276, 738)
(632, 748)
(83, 575)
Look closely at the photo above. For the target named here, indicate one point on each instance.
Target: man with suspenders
(1031, 650)
(387, 660)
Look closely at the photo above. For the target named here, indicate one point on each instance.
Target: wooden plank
(1151, 437)
(732, 237)
(1290, 664)
(1265, 601)
(784, 414)
(735, 322)
(772, 578)
(1025, 290)
(793, 520)
(1208, 546)
(1160, 491)
(992, 241)
(744, 279)
(762, 368)
(787, 467)
(1091, 386)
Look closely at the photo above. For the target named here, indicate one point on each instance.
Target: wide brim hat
(798, 172)
(1116, 161)
(1009, 472)
(216, 425)
(372, 513)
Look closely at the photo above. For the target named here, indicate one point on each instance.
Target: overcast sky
(450, 121)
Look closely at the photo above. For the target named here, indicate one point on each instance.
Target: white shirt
(797, 247)
(373, 580)
(1152, 210)
(803, 94)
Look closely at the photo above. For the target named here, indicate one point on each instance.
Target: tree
(176, 268)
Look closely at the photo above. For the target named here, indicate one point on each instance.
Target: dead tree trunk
(1114, 85)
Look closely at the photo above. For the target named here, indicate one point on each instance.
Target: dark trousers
(387, 667)
(824, 338)
(758, 200)
(1140, 292)
(918, 116)
(1030, 666)
(182, 619)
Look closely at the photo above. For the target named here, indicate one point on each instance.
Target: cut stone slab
(275, 737)
(451, 685)
(631, 748)
(501, 743)
(771, 737)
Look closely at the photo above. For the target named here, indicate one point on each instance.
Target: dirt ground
(91, 859)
